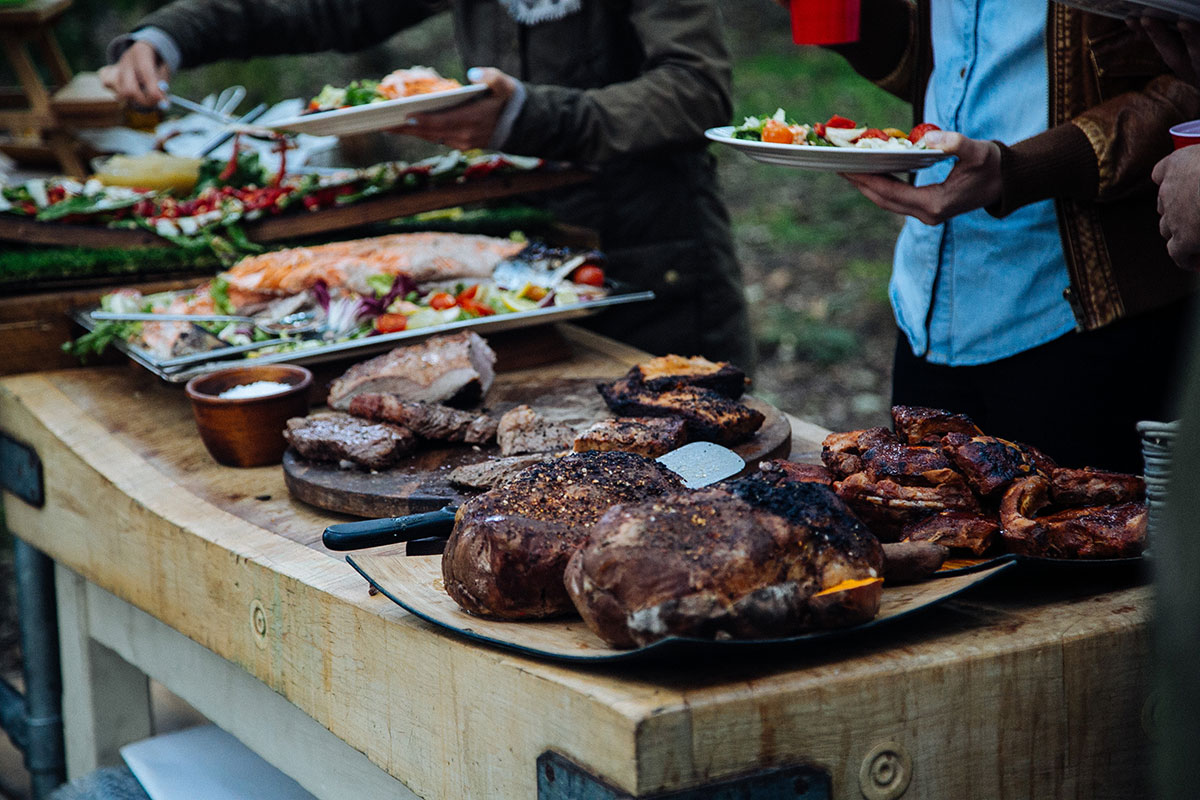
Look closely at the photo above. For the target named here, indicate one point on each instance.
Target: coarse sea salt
(256, 389)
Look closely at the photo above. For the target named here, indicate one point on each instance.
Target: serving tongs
(697, 463)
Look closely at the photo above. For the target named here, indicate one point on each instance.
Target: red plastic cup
(1186, 134)
(825, 21)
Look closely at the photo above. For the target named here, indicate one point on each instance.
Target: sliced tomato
(777, 132)
(476, 308)
(872, 133)
(819, 129)
(591, 275)
(837, 121)
(391, 323)
(468, 293)
(917, 133)
(440, 301)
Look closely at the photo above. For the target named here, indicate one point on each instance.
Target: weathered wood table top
(1032, 686)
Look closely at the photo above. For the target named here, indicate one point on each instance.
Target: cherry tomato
(777, 132)
(475, 307)
(440, 301)
(591, 275)
(872, 133)
(391, 323)
(919, 132)
(468, 293)
(840, 122)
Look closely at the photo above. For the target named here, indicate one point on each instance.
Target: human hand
(471, 125)
(1178, 179)
(973, 183)
(1179, 45)
(136, 76)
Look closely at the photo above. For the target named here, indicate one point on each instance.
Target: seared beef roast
(427, 420)
(646, 436)
(492, 472)
(509, 547)
(455, 368)
(341, 437)
(747, 560)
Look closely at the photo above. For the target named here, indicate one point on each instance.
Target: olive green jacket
(624, 86)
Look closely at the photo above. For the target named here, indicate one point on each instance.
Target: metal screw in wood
(258, 623)
(886, 772)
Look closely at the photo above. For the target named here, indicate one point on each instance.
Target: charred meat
(427, 420)
(506, 555)
(492, 472)
(670, 371)
(340, 437)
(1093, 487)
(456, 369)
(746, 561)
(887, 506)
(646, 436)
(920, 425)
(989, 464)
(524, 430)
(1099, 531)
(778, 472)
(709, 416)
(842, 452)
(957, 530)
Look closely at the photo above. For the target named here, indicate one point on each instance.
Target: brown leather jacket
(1112, 100)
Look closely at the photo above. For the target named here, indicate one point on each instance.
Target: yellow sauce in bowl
(153, 170)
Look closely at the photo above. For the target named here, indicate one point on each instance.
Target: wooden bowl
(248, 431)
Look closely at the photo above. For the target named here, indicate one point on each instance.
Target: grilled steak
(989, 464)
(492, 472)
(456, 369)
(646, 436)
(523, 430)
(427, 420)
(909, 465)
(506, 555)
(709, 416)
(842, 452)
(1100, 531)
(668, 372)
(919, 425)
(746, 561)
(342, 437)
(960, 530)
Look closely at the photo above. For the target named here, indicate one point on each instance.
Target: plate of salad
(369, 105)
(837, 145)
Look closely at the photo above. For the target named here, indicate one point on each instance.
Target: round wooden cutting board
(421, 482)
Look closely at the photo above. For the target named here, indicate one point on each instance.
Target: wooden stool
(39, 119)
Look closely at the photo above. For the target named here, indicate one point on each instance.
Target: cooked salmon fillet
(423, 256)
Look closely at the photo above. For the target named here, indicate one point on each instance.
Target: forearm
(208, 30)
(886, 50)
(1104, 154)
(682, 89)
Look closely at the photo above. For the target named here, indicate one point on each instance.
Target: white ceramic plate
(1167, 9)
(827, 159)
(375, 116)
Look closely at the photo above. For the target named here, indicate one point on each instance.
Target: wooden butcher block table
(213, 580)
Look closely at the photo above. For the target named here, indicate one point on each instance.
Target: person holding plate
(627, 88)
(1030, 284)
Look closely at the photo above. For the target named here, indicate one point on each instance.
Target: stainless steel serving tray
(184, 368)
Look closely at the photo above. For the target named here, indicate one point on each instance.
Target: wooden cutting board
(421, 483)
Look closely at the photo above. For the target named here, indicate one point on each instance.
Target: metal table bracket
(21, 471)
(559, 778)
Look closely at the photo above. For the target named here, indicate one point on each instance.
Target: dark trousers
(1077, 398)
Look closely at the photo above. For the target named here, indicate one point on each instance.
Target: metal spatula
(698, 464)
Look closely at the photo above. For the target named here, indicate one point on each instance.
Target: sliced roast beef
(336, 437)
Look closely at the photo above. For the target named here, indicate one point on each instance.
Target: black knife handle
(389, 530)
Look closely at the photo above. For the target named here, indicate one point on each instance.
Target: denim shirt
(977, 289)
